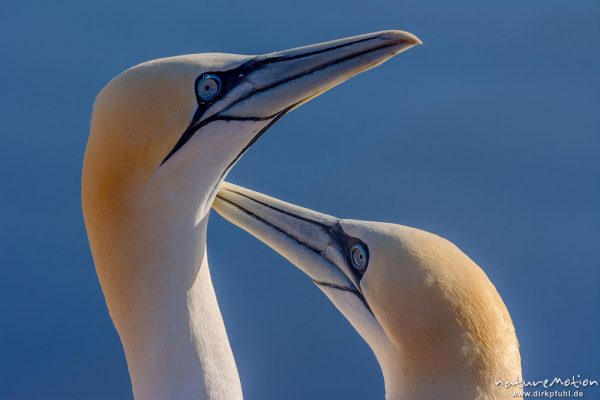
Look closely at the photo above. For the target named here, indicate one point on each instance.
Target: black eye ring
(208, 87)
(359, 257)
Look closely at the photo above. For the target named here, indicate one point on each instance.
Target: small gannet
(433, 319)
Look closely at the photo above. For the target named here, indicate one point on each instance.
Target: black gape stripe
(273, 118)
(278, 229)
(328, 229)
(345, 289)
(193, 128)
(336, 231)
(250, 143)
(231, 78)
(291, 214)
(186, 135)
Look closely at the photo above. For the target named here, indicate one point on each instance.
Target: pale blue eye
(359, 257)
(208, 87)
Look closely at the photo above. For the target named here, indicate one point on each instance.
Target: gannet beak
(312, 241)
(264, 88)
(284, 80)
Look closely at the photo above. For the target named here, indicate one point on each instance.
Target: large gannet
(164, 134)
(433, 319)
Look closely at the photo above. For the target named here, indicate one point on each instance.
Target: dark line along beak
(290, 78)
(268, 86)
(313, 242)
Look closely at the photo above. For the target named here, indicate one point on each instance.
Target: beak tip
(402, 36)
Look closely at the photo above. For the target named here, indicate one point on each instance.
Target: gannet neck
(150, 254)
(182, 351)
(448, 373)
(432, 366)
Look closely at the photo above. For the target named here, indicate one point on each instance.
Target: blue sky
(489, 135)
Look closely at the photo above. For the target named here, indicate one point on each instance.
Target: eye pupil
(209, 87)
(358, 257)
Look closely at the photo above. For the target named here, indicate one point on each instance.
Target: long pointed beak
(266, 87)
(312, 241)
(275, 83)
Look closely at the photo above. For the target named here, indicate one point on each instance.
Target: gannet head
(434, 320)
(163, 136)
(177, 125)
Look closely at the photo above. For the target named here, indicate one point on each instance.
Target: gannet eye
(359, 257)
(208, 87)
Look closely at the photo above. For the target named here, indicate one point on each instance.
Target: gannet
(436, 324)
(163, 136)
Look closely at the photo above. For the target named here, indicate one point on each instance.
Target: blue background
(488, 135)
